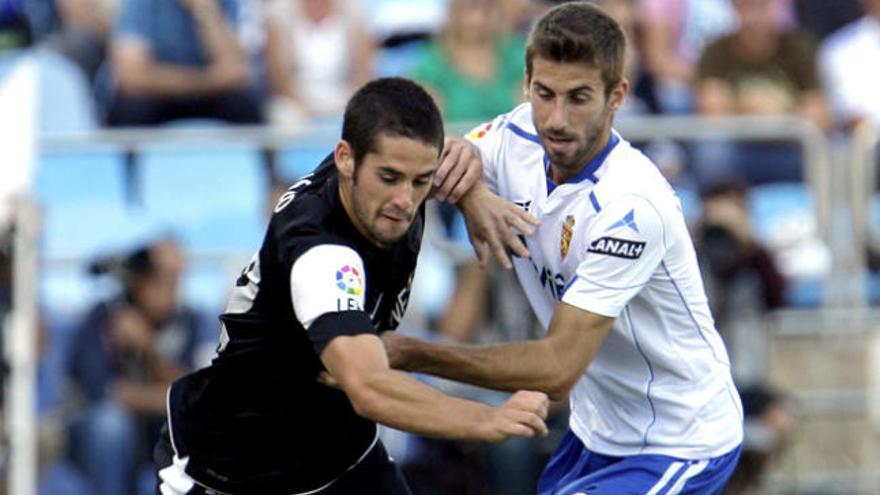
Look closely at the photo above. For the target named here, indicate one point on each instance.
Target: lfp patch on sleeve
(621, 248)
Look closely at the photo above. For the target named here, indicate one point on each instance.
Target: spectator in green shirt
(474, 68)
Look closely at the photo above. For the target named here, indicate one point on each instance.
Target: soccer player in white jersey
(612, 275)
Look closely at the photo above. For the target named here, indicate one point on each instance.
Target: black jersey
(256, 420)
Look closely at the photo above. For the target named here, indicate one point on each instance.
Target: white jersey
(613, 241)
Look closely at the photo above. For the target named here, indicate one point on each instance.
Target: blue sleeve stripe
(595, 202)
(522, 133)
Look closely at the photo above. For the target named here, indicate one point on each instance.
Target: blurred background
(142, 143)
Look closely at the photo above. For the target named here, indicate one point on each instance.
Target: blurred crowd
(283, 61)
(296, 62)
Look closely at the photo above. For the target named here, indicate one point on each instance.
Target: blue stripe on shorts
(575, 470)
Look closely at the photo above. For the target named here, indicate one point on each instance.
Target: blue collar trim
(589, 171)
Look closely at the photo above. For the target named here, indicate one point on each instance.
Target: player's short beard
(368, 222)
(591, 139)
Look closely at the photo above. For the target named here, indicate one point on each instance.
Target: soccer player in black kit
(334, 270)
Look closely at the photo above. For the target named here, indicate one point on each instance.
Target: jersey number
(291, 192)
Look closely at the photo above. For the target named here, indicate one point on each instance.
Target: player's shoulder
(306, 214)
(845, 39)
(631, 173)
(511, 128)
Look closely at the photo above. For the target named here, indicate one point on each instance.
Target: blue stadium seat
(293, 163)
(213, 199)
(83, 201)
(66, 99)
(691, 205)
(399, 60)
(85, 214)
(774, 208)
(207, 287)
(771, 204)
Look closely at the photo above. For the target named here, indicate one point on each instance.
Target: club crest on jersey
(567, 232)
(480, 131)
(349, 280)
(621, 248)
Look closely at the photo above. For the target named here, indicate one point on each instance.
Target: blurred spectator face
(318, 10)
(474, 20)
(156, 292)
(757, 15)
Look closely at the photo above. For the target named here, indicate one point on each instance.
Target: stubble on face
(588, 147)
(370, 220)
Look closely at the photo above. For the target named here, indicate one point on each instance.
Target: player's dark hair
(392, 106)
(579, 32)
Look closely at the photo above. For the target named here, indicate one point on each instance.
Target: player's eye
(580, 98)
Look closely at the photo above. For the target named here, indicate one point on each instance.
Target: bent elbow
(366, 403)
(559, 388)
(129, 84)
(557, 394)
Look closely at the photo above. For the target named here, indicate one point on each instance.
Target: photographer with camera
(732, 253)
(125, 353)
(743, 283)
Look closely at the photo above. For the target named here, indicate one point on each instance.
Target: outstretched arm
(552, 365)
(360, 367)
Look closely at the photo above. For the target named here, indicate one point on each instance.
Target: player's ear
(344, 158)
(527, 80)
(618, 94)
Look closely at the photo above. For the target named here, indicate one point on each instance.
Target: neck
(560, 175)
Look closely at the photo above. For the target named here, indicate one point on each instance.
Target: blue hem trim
(589, 170)
(568, 286)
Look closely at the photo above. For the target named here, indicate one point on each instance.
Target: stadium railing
(864, 157)
(21, 352)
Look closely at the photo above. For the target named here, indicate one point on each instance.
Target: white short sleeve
(487, 138)
(624, 248)
(327, 278)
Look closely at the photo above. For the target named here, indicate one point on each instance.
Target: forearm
(147, 398)
(397, 400)
(164, 80)
(215, 33)
(529, 365)
(551, 365)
